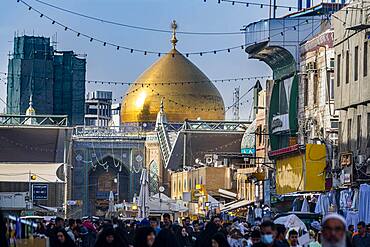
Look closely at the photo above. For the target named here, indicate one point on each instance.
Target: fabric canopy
(236, 205)
(20, 172)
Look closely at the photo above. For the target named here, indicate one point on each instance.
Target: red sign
(287, 150)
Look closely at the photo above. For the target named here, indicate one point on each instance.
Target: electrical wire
(132, 50)
(134, 26)
(112, 82)
(261, 5)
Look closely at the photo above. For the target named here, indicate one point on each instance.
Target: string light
(111, 82)
(132, 50)
(101, 20)
(247, 3)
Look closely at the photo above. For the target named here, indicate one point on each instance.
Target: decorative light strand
(112, 82)
(123, 47)
(142, 51)
(261, 5)
(101, 20)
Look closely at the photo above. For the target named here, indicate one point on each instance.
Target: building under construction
(55, 79)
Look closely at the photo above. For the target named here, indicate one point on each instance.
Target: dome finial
(174, 39)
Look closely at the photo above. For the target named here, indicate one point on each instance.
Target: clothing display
(364, 203)
(345, 200)
(305, 206)
(352, 218)
(258, 213)
(355, 199)
(322, 205)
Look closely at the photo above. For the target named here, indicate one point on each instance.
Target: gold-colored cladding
(181, 100)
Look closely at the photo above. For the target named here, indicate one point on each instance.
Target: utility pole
(65, 169)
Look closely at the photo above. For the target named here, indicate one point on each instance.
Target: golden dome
(168, 79)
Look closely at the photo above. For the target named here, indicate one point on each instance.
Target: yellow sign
(302, 172)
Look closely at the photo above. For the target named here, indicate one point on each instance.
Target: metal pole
(29, 189)
(117, 187)
(184, 155)
(65, 168)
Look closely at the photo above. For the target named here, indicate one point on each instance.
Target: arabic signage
(280, 123)
(283, 151)
(39, 191)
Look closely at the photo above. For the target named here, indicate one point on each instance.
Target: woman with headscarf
(219, 240)
(165, 238)
(183, 238)
(107, 238)
(205, 238)
(144, 237)
(63, 239)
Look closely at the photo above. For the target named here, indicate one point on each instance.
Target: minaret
(30, 112)
(161, 116)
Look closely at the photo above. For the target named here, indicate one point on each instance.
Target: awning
(236, 205)
(227, 194)
(20, 172)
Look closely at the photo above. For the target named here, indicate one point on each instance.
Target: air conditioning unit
(331, 64)
(209, 159)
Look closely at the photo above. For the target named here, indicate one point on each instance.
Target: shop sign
(283, 151)
(39, 191)
(280, 123)
(345, 159)
(248, 151)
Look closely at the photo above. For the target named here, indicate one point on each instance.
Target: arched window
(153, 177)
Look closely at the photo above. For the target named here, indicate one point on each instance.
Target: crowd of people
(153, 232)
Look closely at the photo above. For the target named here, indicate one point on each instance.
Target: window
(349, 137)
(365, 60)
(305, 97)
(356, 64)
(315, 89)
(347, 66)
(339, 57)
(359, 131)
(259, 133)
(331, 89)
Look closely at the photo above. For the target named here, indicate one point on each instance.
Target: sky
(108, 64)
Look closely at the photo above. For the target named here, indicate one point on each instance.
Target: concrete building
(277, 42)
(212, 178)
(55, 79)
(69, 86)
(116, 114)
(30, 71)
(254, 144)
(98, 108)
(318, 121)
(352, 90)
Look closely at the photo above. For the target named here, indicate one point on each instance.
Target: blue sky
(106, 63)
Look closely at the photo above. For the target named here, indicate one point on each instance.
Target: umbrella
(291, 221)
(111, 202)
(143, 200)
